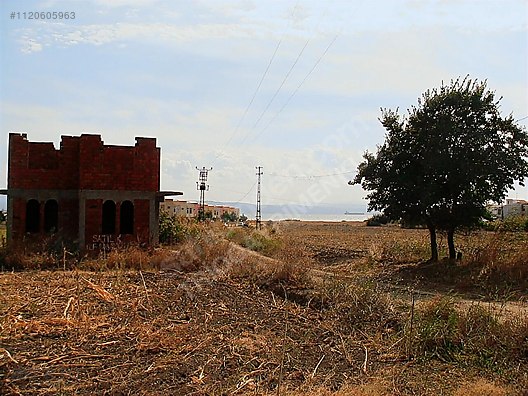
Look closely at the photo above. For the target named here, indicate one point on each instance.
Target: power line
(298, 87)
(261, 80)
(282, 83)
(255, 93)
(246, 194)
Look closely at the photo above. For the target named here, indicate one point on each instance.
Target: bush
(437, 330)
(377, 220)
(257, 241)
(475, 334)
(509, 224)
(173, 230)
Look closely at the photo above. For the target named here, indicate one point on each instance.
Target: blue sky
(185, 72)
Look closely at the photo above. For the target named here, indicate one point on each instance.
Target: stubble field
(302, 308)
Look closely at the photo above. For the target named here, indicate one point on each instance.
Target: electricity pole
(202, 186)
(258, 217)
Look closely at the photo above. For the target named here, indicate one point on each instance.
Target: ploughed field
(335, 309)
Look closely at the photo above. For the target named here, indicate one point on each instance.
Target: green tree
(228, 217)
(170, 230)
(445, 160)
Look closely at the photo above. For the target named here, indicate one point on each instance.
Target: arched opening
(32, 216)
(126, 218)
(109, 216)
(51, 216)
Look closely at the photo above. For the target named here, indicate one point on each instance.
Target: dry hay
(232, 325)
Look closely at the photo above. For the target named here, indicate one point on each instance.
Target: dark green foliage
(229, 217)
(173, 230)
(377, 220)
(443, 162)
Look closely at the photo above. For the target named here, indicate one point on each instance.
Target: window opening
(32, 216)
(109, 216)
(126, 223)
(51, 216)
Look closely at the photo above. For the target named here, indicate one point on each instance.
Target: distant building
(89, 193)
(495, 211)
(179, 208)
(511, 207)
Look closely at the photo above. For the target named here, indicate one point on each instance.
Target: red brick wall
(118, 168)
(19, 218)
(141, 225)
(40, 166)
(83, 163)
(93, 233)
(68, 211)
(93, 210)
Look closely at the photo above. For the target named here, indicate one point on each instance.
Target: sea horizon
(317, 217)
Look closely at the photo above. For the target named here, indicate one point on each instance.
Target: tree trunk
(451, 244)
(434, 245)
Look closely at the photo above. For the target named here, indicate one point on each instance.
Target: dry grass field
(300, 308)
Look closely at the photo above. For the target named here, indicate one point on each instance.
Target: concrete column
(9, 223)
(82, 220)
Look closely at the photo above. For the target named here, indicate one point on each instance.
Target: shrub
(510, 224)
(173, 230)
(123, 258)
(498, 258)
(436, 330)
(258, 241)
(377, 220)
(49, 252)
(447, 332)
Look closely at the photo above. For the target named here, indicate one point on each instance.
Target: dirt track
(341, 250)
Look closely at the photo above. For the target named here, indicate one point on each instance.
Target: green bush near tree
(173, 230)
(377, 220)
(509, 224)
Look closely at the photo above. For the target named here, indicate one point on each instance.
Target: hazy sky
(294, 86)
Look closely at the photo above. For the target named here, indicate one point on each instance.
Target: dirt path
(503, 309)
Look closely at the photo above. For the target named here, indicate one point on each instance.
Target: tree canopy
(445, 160)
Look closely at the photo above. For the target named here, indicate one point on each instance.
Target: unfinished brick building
(88, 193)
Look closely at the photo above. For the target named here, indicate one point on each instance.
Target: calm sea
(317, 217)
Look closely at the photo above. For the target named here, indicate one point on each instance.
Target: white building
(191, 209)
(512, 207)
